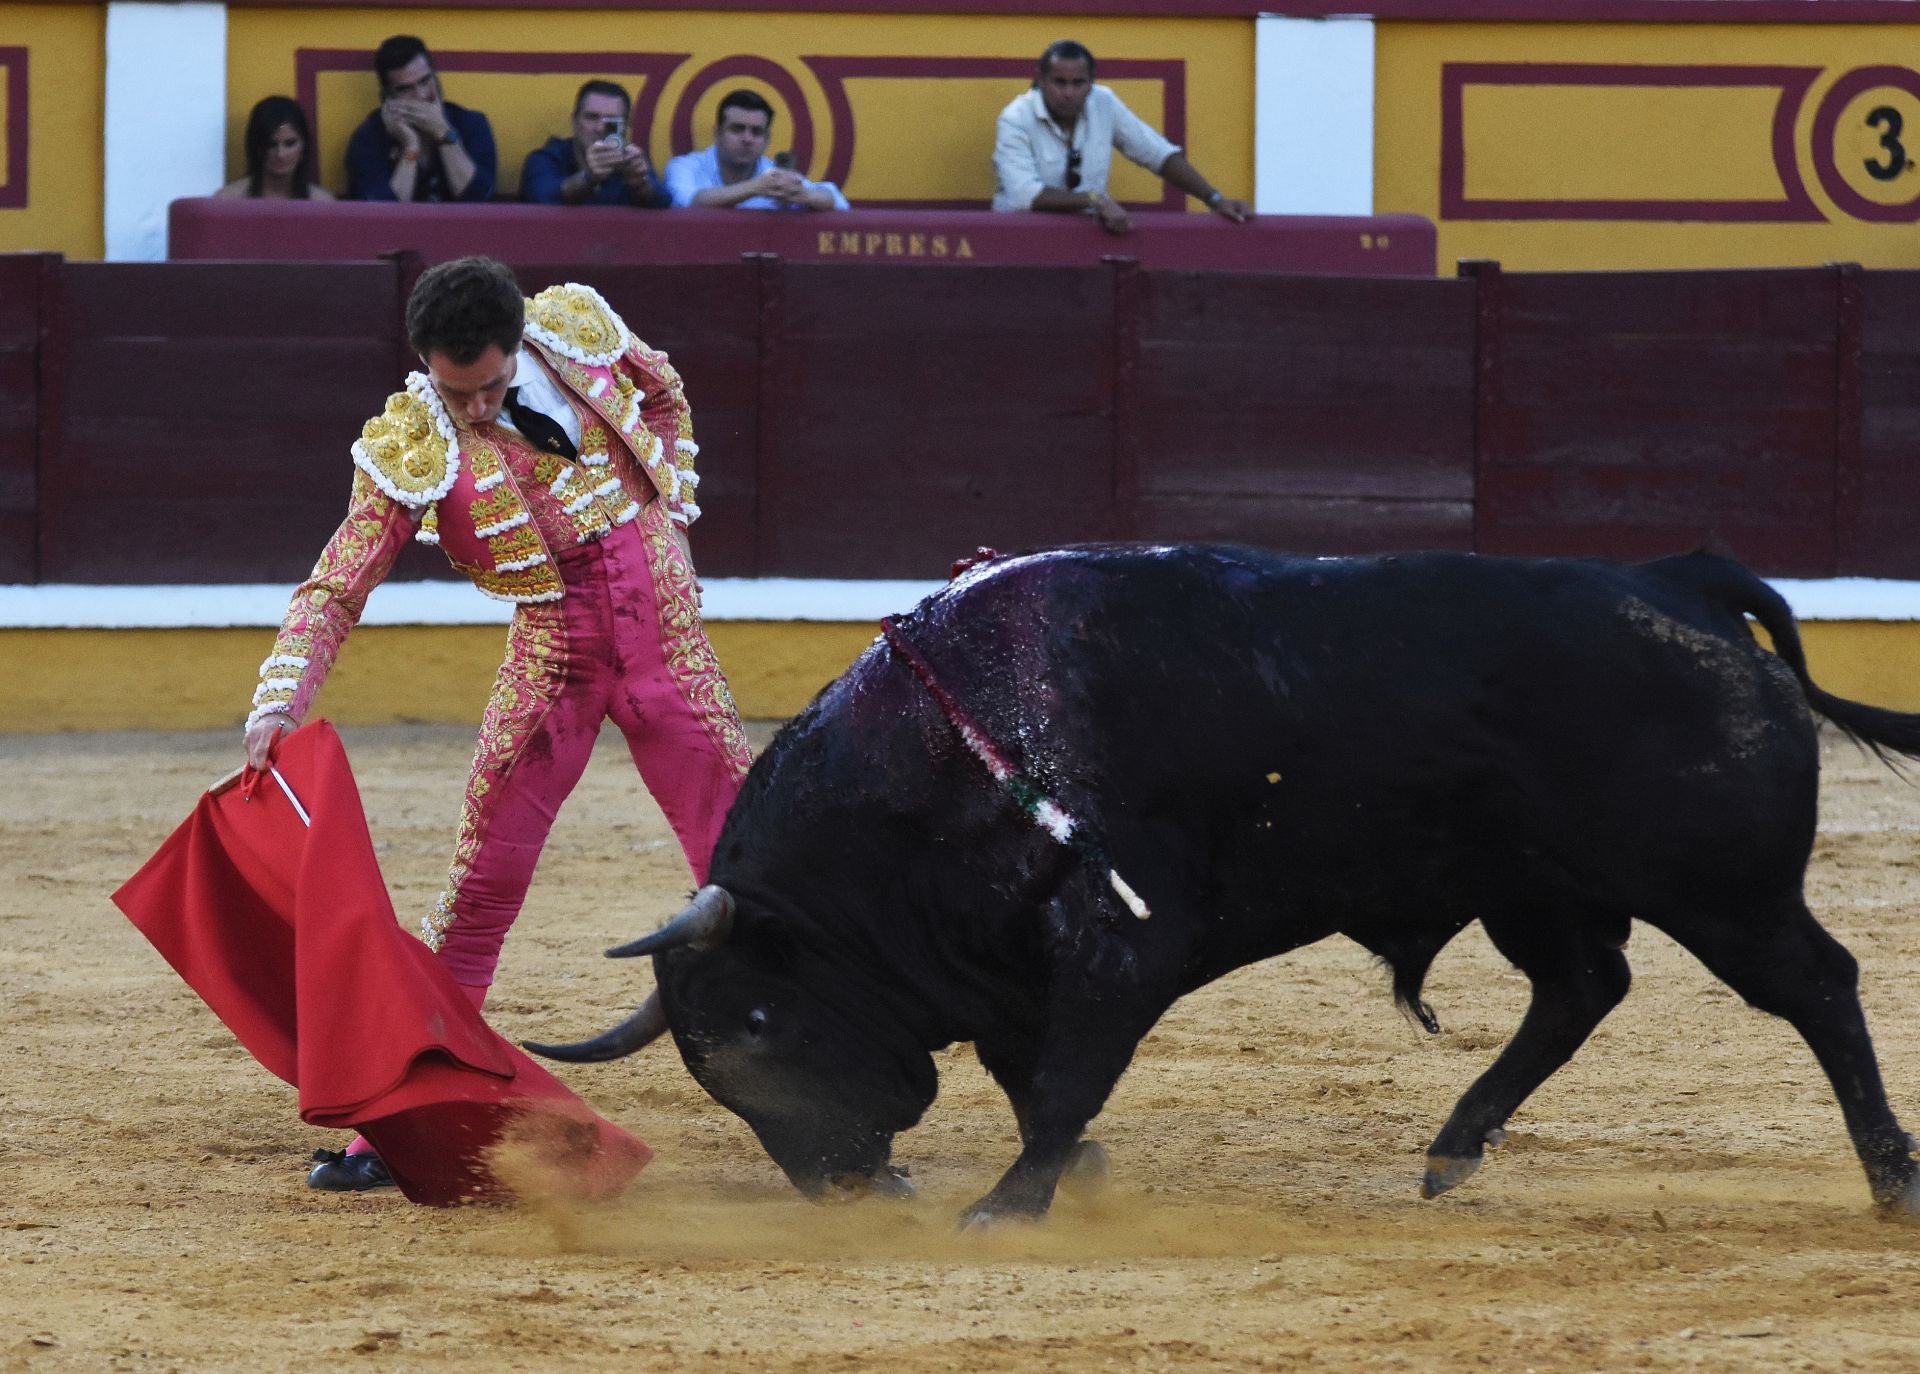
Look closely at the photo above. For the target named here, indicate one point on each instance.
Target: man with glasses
(1054, 146)
(417, 145)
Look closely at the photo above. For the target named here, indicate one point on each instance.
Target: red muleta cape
(286, 931)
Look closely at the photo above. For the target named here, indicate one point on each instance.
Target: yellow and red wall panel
(1627, 145)
(897, 108)
(51, 162)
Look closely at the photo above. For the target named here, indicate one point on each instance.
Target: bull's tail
(1874, 727)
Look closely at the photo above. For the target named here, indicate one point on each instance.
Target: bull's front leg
(1056, 1085)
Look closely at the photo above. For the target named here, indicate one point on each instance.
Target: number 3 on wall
(1887, 118)
(1858, 150)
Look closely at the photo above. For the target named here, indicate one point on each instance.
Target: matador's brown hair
(459, 307)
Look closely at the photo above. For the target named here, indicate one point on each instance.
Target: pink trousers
(625, 643)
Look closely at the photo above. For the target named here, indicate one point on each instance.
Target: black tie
(539, 429)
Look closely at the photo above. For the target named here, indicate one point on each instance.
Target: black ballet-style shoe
(336, 1171)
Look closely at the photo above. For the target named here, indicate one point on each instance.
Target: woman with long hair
(279, 155)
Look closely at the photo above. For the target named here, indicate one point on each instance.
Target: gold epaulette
(406, 451)
(576, 322)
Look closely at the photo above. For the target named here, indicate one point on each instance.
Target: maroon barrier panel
(203, 416)
(328, 231)
(1299, 412)
(193, 419)
(1879, 508)
(22, 289)
(1634, 414)
(950, 410)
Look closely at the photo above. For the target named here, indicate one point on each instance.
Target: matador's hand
(263, 732)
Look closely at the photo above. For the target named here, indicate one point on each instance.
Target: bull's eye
(756, 1022)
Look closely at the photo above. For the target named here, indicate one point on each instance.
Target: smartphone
(613, 129)
(784, 161)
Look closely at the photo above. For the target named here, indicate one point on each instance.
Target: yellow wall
(203, 679)
(920, 138)
(1628, 139)
(54, 680)
(66, 95)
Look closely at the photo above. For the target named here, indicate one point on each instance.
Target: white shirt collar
(539, 391)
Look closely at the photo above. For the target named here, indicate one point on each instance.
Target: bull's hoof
(1903, 1205)
(1446, 1172)
(1089, 1169)
(890, 1181)
(992, 1211)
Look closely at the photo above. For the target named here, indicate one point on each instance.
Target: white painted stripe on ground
(72, 606)
(77, 607)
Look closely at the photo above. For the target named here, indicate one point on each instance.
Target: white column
(1313, 116)
(166, 117)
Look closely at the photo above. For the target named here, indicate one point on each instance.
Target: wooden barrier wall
(21, 289)
(190, 422)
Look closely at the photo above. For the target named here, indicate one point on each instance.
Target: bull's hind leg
(1786, 964)
(1577, 979)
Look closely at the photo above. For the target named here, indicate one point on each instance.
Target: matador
(550, 454)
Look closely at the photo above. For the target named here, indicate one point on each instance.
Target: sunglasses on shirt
(1073, 169)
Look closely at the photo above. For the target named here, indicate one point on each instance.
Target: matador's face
(473, 392)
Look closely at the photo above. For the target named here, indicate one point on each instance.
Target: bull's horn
(704, 923)
(647, 1024)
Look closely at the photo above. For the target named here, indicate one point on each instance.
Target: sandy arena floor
(1681, 1197)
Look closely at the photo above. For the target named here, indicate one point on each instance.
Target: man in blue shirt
(418, 146)
(599, 165)
(734, 171)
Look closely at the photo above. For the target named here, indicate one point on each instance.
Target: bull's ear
(705, 923)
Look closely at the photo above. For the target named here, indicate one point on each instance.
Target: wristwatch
(1214, 197)
(450, 137)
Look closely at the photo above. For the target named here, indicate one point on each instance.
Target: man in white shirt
(1054, 145)
(734, 171)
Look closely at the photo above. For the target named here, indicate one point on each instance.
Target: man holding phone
(600, 164)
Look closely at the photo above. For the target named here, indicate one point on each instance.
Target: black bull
(1270, 750)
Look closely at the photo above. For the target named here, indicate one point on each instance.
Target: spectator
(417, 145)
(600, 164)
(279, 155)
(735, 170)
(1054, 145)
